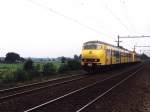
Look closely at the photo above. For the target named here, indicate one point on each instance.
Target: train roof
(100, 42)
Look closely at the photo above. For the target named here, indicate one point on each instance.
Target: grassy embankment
(12, 74)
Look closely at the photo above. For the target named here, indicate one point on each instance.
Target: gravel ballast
(132, 96)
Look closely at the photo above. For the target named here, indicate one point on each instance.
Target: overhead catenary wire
(116, 17)
(146, 51)
(124, 8)
(142, 36)
(69, 18)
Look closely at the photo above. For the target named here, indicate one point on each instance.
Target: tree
(22, 59)
(76, 57)
(63, 59)
(53, 59)
(12, 57)
(80, 57)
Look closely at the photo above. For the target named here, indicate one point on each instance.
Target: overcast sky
(52, 28)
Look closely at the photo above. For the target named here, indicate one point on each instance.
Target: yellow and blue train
(97, 54)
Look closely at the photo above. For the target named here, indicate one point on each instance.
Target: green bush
(38, 67)
(49, 69)
(74, 64)
(28, 65)
(8, 77)
(63, 68)
(21, 75)
(34, 73)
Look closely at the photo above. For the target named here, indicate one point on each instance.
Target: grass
(9, 67)
(56, 63)
(13, 67)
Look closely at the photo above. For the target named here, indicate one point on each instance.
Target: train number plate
(89, 64)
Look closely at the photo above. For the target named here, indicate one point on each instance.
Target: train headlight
(96, 60)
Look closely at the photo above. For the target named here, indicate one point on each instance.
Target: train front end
(92, 55)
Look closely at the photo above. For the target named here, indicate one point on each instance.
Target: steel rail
(2, 99)
(33, 84)
(109, 90)
(78, 90)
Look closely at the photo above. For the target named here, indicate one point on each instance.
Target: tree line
(12, 57)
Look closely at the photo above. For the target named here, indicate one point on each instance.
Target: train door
(109, 57)
(113, 56)
(117, 56)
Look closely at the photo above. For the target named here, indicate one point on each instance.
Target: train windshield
(91, 46)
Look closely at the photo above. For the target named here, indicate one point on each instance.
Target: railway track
(29, 87)
(22, 100)
(12, 93)
(81, 99)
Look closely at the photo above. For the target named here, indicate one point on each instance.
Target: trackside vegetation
(29, 70)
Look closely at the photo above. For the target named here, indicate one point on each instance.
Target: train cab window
(92, 46)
